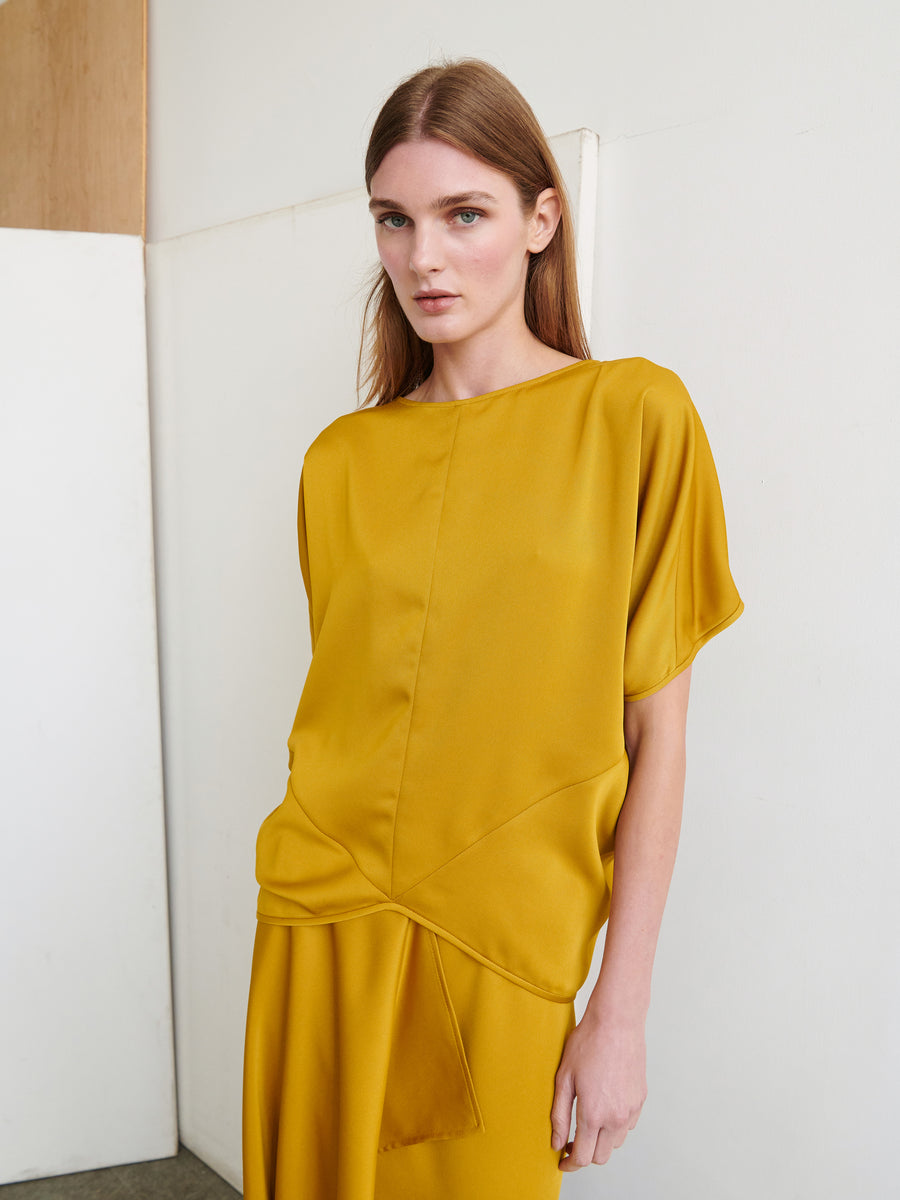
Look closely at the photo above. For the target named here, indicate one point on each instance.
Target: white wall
(262, 106)
(87, 1075)
(761, 260)
(747, 239)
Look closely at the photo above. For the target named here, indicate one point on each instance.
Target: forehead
(420, 171)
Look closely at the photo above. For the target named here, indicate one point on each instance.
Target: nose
(425, 251)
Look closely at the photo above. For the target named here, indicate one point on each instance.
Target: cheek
(499, 258)
(392, 257)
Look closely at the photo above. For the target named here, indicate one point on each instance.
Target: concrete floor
(184, 1177)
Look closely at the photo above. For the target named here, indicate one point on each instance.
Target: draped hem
(391, 905)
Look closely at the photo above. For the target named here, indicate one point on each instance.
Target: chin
(434, 331)
(440, 339)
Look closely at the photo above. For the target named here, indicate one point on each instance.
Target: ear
(544, 220)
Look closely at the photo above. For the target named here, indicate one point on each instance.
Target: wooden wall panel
(72, 114)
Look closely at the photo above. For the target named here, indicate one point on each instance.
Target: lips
(435, 301)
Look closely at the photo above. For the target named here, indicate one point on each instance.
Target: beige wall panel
(72, 103)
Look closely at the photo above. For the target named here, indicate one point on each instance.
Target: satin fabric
(348, 993)
(489, 580)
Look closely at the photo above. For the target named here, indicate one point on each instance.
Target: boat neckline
(510, 387)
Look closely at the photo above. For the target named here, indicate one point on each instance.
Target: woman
(511, 558)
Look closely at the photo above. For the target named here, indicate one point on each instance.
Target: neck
(466, 369)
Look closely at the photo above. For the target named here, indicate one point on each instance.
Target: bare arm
(603, 1063)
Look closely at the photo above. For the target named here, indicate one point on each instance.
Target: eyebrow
(441, 202)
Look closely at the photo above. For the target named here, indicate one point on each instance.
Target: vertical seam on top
(415, 687)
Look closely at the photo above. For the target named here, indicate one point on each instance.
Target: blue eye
(392, 220)
(468, 216)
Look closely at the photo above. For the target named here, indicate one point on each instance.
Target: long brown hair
(472, 106)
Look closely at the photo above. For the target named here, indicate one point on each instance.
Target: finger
(582, 1151)
(561, 1111)
(619, 1135)
(605, 1144)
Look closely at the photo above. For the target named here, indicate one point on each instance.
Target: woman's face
(454, 240)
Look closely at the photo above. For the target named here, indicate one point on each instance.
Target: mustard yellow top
(489, 580)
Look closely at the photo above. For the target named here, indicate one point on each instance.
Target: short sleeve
(682, 593)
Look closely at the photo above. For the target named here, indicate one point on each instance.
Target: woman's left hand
(603, 1065)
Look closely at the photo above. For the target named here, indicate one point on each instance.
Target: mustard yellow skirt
(383, 1063)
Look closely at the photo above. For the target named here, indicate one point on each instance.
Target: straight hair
(473, 107)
